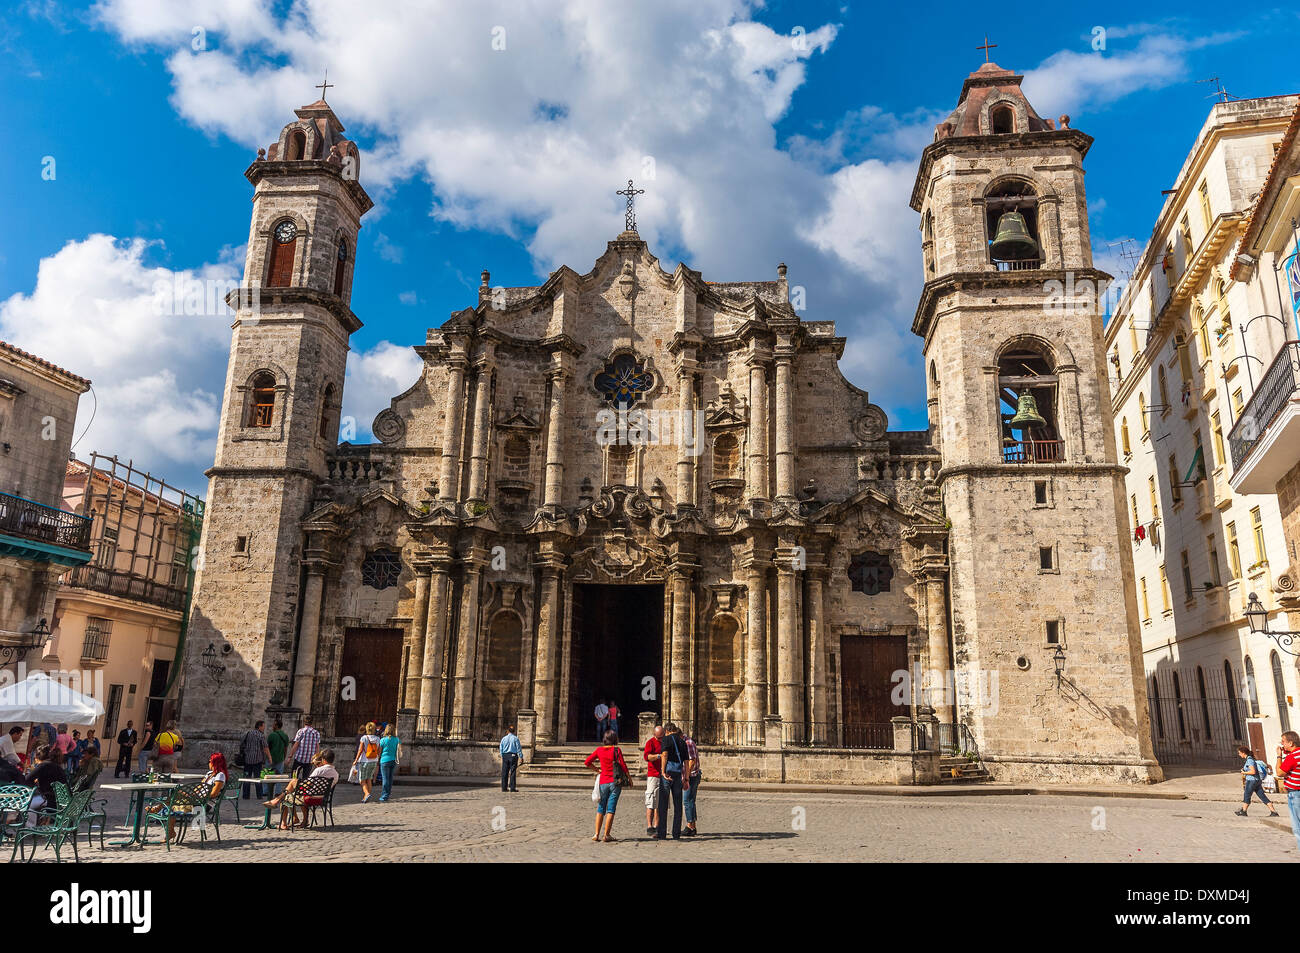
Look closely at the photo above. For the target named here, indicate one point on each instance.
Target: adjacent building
(1188, 346)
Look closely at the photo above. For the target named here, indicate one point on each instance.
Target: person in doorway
(277, 742)
(612, 717)
(305, 745)
(146, 745)
(602, 719)
(607, 760)
(367, 760)
(673, 767)
(126, 742)
(512, 755)
(691, 785)
(652, 756)
(1253, 771)
(1288, 773)
(255, 753)
(390, 755)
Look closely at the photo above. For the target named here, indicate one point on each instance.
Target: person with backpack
(691, 786)
(367, 760)
(675, 761)
(167, 749)
(253, 755)
(614, 776)
(1253, 772)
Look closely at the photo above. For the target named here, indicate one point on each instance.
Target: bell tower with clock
(1046, 649)
(279, 420)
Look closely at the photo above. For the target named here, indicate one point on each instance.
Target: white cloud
(373, 378)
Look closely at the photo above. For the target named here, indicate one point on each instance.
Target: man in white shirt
(602, 719)
(9, 744)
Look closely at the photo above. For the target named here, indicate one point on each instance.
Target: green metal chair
(232, 790)
(96, 811)
(64, 824)
(179, 810)
(16, 799)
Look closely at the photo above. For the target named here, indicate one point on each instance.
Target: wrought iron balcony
(27, 519)
(127, 585)
(1279, 386)
(1033, 451)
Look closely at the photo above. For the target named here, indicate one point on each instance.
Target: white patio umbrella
(39, 698)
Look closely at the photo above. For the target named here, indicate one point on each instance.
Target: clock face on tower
(285, 232)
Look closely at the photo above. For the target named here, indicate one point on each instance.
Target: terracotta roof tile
(6, 346)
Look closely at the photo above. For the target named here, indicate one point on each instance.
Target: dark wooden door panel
(869, 664)
(374, 658)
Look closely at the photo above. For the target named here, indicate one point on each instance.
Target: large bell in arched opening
(1013, 241)
(1026, 414)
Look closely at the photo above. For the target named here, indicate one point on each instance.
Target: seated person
(288, 799)
(210, 788)
(87, 773)
(44, 774)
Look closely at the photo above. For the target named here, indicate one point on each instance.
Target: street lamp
(214, 665)
(1257, 619)
(35, 639)
(1058, 660)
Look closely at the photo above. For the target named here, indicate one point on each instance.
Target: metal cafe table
(138, 789)
(272, 780)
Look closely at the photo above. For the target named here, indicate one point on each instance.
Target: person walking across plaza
(1253, 772)
(254, 752)
(1288, 775)
(390, 755)
(512, 755)
(652, 755)
(673, 768)
(146, 745)
(691, 785)
(277, 742)
(608, 761)
(305, 745)
(126, 742)
(367, 760)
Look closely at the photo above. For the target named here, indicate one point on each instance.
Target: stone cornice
(992, 146)
(275, 297)
(298, 168)
(963, 280)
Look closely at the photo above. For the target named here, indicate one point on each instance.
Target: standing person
(1288, 773)
(610, 759)
(1253, 771)
(512, 755)
(602, 719)
(92, 745)
(390, 756)
(72, 757)
(146, 745)
(612, 718)
(652, 757)
(691, 786)
(367, 760)
(167, 747)
(277, 743)
(255, 752)
(126, 740)
(305, 745)
(673, 766)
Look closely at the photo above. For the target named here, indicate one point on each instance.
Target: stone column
(451, 434)
(756, 479)
(467, 641)
(756, 642)
(936, 629)
(304, 671)
(679, 684)
(785, 421)
(480, 439)
(548, 652)
(814, 583)
(419, 622)
(1069, 421)
(554, 490)
(789, 690)
(435, 641)
(686, 462)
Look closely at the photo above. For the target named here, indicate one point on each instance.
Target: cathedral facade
(637, 485)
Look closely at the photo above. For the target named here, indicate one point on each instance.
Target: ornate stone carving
(871, 425)
(388, 427)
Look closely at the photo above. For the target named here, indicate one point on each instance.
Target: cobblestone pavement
(457, 824)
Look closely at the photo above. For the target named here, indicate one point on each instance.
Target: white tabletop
(141, 786)
(269, 779)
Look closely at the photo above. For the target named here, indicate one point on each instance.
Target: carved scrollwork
(388, 426)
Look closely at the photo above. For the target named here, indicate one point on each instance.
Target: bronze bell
(1013, 241)
(1026, 414)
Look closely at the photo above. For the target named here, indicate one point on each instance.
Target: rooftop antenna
(1221, 94)
(1127, 251)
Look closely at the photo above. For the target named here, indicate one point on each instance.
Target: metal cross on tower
(630, 218)
(325, 86)
(986, 47)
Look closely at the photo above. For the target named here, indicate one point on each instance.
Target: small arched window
(1163, 386)
(1011, 226)
(1232, 700)
(723, 638)
(1178, 707)
(1002, 120)
(1027, 402)
(726, 457)
(1205, 704)
(340, 266)
(1252, 690)
(296, 146)
(327, 411)
(1156, 709)
(261, 402)
(284, 242)
(1279, 692)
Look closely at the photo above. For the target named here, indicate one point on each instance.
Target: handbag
(354, 776)
(621, 777)
(595, 791)
(674, 767)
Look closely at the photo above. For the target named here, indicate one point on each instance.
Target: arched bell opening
(1027, 399)
(1011, 222)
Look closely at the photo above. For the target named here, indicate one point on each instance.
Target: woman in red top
(604, 759)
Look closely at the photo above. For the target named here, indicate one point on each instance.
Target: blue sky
(786, 132)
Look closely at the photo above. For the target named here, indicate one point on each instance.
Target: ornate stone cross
(630, 218)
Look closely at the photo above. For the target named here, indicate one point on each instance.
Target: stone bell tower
(1041, 570)
(257, 594)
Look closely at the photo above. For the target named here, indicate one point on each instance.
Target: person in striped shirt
(305, 745)
(1288, 773)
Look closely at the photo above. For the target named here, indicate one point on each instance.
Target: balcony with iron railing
(127, 585)
(1265, 441)
(47, 526)
(1033, 451)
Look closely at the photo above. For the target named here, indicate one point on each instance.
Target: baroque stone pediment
(619, 557)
